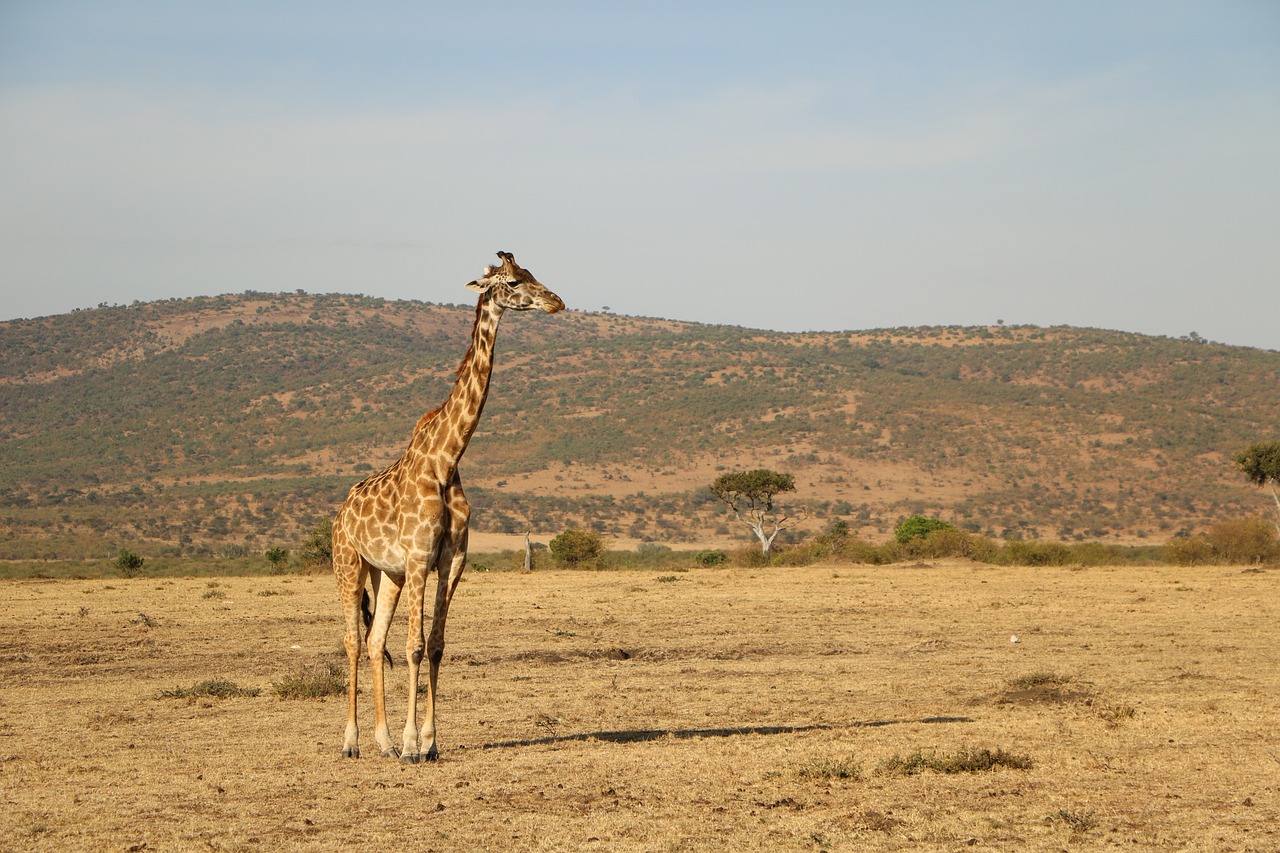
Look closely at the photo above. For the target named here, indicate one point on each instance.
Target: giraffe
(411, 517)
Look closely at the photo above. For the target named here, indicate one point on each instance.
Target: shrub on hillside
(129, 564)
(713, 557)
(918, 527)
(797, 555)
(1243, 540)
(577, 548)
(317, 548)
(651, 549)
(749, 557)
(276, 556)
(1017, 552)
(950, 542)
(1100, 554)
(856, 550)
(1188, 551)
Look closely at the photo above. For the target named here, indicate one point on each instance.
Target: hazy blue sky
(800, 165)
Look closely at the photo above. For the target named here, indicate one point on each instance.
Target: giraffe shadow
(643, 735)
(874, 724)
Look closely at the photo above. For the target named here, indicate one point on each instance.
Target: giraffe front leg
(386, 590)
(409, 753)
(414, 649)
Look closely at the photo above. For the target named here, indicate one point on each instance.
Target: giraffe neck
(442, 436)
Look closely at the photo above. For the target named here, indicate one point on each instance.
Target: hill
(239, 421)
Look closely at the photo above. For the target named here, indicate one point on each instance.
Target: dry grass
(210, 688)
(964, 760)
(313, 682)
(734, 710)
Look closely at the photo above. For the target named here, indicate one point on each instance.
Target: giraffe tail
(366, 611)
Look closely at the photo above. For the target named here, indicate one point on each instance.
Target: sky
(791, 166)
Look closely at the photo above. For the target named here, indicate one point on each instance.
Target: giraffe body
(398, 525)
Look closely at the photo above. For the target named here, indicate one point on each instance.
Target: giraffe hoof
(432, 754)
(351, 752)
(409, 758)
(391, 752)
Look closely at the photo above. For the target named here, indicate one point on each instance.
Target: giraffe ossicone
(398, 525)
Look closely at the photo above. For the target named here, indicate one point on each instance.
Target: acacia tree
(750, 495)
(1261, 464)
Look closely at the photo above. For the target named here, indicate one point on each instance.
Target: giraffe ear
(477, 286)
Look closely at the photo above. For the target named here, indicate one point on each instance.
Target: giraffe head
(512, 286)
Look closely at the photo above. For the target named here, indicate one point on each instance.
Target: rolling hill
(239, 421)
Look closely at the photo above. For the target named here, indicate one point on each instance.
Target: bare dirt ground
(707, 710)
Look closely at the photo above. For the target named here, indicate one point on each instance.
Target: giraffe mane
(426, 419)
(431, 415)
(471, 347)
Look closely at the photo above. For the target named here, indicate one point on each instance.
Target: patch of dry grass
(830, 768)
(964, 760)
(210, 688)
(736, 709)
(313, 682)
(1039, 679)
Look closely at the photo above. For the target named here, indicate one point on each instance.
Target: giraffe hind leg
(415, 645)
(450, 564)
(351, 616)
(350, 571)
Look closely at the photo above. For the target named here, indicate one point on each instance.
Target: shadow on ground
(641, 735)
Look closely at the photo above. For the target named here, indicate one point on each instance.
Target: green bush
(577, 548)
(918, 527)
(317, 548)
(129, 564)
(276, 557)
(714, 557)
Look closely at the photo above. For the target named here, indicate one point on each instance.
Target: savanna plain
(935, 706)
